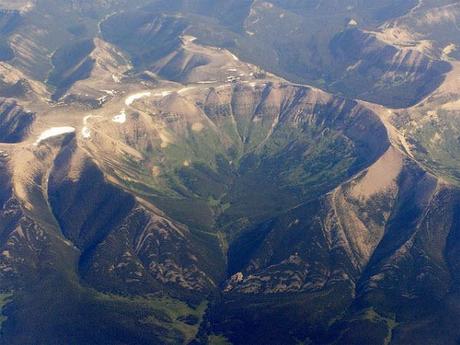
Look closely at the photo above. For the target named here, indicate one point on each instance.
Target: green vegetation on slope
(5, 298)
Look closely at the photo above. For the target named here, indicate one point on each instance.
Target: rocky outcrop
(383, 73)
(15, 121)
(125, 246)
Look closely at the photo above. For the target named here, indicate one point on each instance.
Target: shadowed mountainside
(166, 188)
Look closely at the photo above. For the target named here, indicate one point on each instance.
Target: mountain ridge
(179, 194)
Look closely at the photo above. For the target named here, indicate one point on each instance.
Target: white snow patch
(352, 22)
(207, 82)
(120, 118)
(109, 92)
(162, 94)
(185, 89)
(116, 78)
(53, 132)
(188, 38)
(86, 133)
(102, 99)
(234, 57)
(131, 99)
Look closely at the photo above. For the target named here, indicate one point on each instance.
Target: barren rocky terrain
(229, 172)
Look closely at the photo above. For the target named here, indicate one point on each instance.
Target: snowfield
(120, 118)
(86, 133)
(53, 132)
(131, 99)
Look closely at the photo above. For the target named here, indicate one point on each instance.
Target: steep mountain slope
(397, 75)
(162, 190)
(121, 244)
(303, 42)
(38, 226)
(15, 121)
(250, 135)
(389, 270)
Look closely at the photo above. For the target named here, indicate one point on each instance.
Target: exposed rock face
(124, 245)
(159, 34)
(179, 194)
(381, 72)
(71, 63)
(104, 76)
(24, 234)
(15, 121)
(387, 255)
(235, 126)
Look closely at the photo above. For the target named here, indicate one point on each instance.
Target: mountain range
(229, 172)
